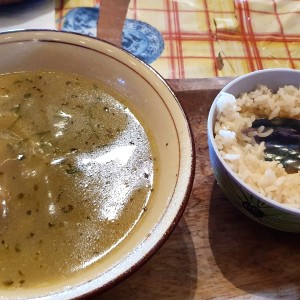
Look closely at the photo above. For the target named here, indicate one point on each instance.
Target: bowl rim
(210, 125)
(58, 36)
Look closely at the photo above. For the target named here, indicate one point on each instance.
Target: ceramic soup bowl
(156, 104)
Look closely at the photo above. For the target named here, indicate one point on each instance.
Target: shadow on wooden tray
(170, 274)
(256, 259)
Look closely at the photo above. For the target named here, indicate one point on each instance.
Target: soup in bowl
(97, 164)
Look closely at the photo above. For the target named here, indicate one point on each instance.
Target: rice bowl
(260, 189)
(239, 148)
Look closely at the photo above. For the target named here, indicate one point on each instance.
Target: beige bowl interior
(154, 102)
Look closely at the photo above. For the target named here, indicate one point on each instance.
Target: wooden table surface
(215, 252)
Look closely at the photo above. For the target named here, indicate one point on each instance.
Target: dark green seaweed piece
(283, 144)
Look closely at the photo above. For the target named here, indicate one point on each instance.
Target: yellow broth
(76, 174)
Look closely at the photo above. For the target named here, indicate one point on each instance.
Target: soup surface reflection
(76, 174)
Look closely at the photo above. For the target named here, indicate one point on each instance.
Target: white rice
(243, 155)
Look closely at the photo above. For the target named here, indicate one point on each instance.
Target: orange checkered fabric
(216, 38)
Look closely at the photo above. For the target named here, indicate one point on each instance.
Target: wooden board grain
(215, 252)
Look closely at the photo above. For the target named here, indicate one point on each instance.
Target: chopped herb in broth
(76, 174)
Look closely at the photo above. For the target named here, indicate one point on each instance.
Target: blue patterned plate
(139, 38)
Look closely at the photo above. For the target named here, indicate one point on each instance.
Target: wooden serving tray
(215, 252)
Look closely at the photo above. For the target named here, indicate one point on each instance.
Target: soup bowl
(248, 200)
(154, 102)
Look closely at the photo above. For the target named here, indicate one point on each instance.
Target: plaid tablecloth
(204, 38)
